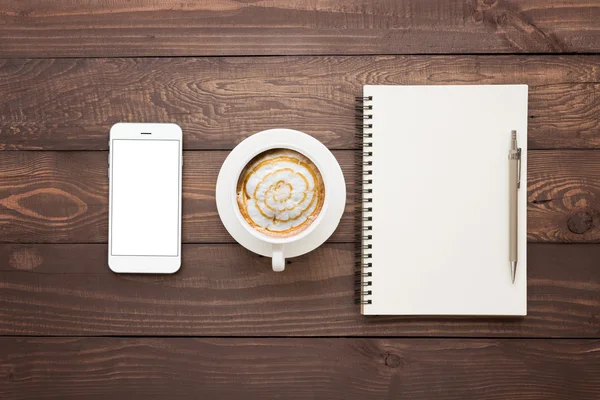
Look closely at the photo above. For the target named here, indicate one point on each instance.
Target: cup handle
(278, 259)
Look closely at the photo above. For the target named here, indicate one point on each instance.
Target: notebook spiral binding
(363, 199)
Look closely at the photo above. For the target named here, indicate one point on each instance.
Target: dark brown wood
(62, 197)
(226, 290)
(171, 28)
(563, 196)
(229, 368)
(54, 278)
(71, 103)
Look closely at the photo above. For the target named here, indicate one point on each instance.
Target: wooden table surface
(225, 326)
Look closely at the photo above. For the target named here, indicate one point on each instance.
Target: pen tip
(513, 270)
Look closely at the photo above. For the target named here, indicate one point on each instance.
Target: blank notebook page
(440, 200)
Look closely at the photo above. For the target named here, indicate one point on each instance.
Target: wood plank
(71, 103)
(564, 196)
(229, 368)
(224, 290)
(62, 197)
(85, 28)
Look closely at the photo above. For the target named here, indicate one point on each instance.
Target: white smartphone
(144, 170)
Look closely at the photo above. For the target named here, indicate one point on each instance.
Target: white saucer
(273, 139)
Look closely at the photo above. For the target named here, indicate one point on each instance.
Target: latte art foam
(280, 192)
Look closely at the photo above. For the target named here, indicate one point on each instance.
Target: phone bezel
(144, 264)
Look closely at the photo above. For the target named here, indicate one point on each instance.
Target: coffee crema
(280, 193)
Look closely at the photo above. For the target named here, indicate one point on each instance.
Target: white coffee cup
(278, 245)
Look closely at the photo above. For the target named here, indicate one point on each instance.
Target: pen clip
(519, 167)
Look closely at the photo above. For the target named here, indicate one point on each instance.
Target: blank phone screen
(145, 197)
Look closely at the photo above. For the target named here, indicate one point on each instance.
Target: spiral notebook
(435, 216)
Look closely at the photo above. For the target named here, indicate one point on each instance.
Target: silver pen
(514, 181)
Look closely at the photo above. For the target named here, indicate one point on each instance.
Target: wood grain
(71, 103)
(218, 27)
(62, 197)
(224, 290)
(67, 74)
(249, 369)
(564, 196)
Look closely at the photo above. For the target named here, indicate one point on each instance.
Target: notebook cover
(439, 212)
